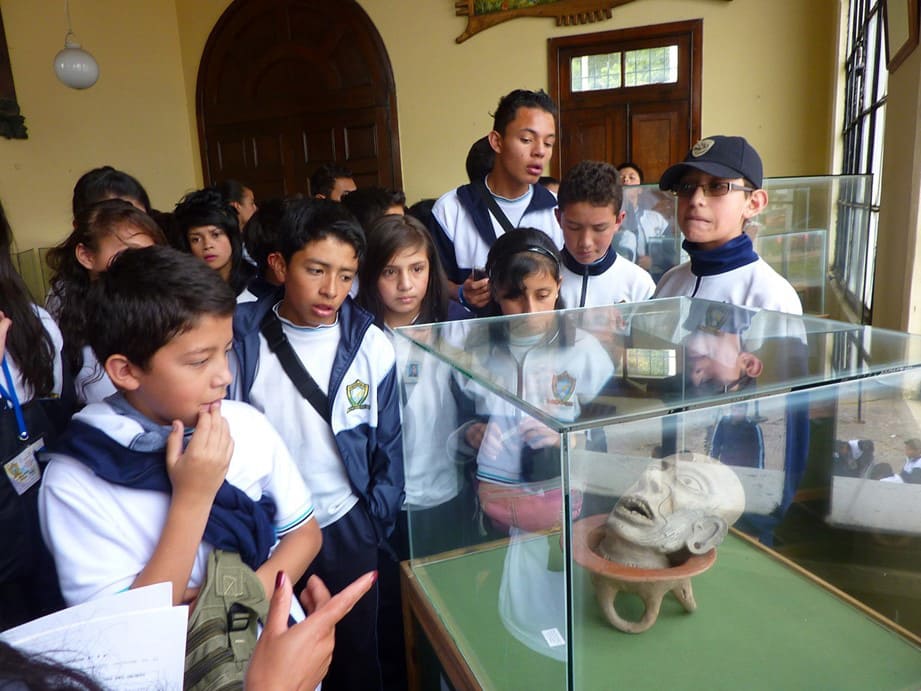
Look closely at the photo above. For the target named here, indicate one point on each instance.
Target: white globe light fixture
(74, 66)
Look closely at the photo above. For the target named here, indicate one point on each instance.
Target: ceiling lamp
(74, 66)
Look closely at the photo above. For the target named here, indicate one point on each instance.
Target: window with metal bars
(862, 135)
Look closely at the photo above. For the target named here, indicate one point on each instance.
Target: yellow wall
(768, 74)
(898, 260)
(133, 118)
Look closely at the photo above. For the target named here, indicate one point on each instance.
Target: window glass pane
(651, 66)
(595, 72)
(862, 133)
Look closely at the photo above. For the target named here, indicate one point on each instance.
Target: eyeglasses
(710, 189)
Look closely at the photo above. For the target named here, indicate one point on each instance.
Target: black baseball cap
(722, 157)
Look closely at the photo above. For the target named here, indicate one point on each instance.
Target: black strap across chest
(278, 343)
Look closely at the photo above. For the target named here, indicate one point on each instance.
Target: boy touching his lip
(718, 186)
(141, 487)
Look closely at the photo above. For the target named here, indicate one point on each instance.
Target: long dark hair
(517, 254)
(36, 674)
(207, 207)
(27, 342)
(70, 280)
(389, 235)
(107, 182)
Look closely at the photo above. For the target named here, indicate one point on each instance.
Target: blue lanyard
(14, 399)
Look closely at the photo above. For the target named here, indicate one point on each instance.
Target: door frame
(557, 46)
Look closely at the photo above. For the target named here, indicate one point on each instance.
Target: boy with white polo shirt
(590, 215)
(466, 221)
(142, 486)
(718, 186)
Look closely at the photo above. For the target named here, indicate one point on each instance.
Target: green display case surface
(755, 612)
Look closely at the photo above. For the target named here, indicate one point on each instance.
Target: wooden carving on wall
(12, 123)
(482, 14)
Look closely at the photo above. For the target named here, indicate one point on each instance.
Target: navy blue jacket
(372, 453)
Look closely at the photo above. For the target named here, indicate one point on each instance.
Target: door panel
(592, 134)
(285, 86)
(658, 136)
(652, 124)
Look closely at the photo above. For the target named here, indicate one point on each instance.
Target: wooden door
(628, 95)
(287, 85)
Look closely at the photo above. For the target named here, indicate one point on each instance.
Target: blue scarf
(236, 523)
(735, 253)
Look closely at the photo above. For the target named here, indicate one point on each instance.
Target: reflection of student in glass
(853, 458)
(640, 224)
(737, 439)
(715, 360)
(911, 471)
(545, 362)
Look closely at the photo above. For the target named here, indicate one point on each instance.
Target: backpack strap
(492, 205)
(278, 343)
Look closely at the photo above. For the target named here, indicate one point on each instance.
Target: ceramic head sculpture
(681, 505)
(663, 531)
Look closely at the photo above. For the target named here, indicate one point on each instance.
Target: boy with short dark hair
(325, 376)
(467, 220)
(141, 487)
(718, 186)
(590, 215)
(332, 181)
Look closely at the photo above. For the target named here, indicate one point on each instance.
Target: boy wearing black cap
(718, 186)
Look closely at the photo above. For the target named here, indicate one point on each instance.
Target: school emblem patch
(563, 385)
(702, 147)
(357, 393)
(715, 318)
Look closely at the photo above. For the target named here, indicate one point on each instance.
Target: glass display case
(523, 433)
(796, 233)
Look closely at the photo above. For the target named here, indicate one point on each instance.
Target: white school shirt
(308, 436)
(624, 281)
(429, 415)
(754, 285)
(469, 248)
(102, 535)
(553, 378)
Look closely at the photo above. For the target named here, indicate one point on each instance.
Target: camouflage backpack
(223, 625)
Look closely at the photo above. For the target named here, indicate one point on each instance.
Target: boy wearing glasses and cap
(718, 186)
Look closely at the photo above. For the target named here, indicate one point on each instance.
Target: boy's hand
(537, 435)
(298, 657)
(474, 433)
(494, 438)
(201, 468)
(476, 292)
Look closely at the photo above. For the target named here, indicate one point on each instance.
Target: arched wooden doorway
(287, 85)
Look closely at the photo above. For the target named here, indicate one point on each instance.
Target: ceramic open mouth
(636, 507)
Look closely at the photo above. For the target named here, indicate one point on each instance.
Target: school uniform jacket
(363, 403)
(733, 273)
(464, 229)
(608, 281)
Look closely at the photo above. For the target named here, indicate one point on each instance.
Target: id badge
(23, 471)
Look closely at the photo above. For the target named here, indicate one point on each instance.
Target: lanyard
(14, 399)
